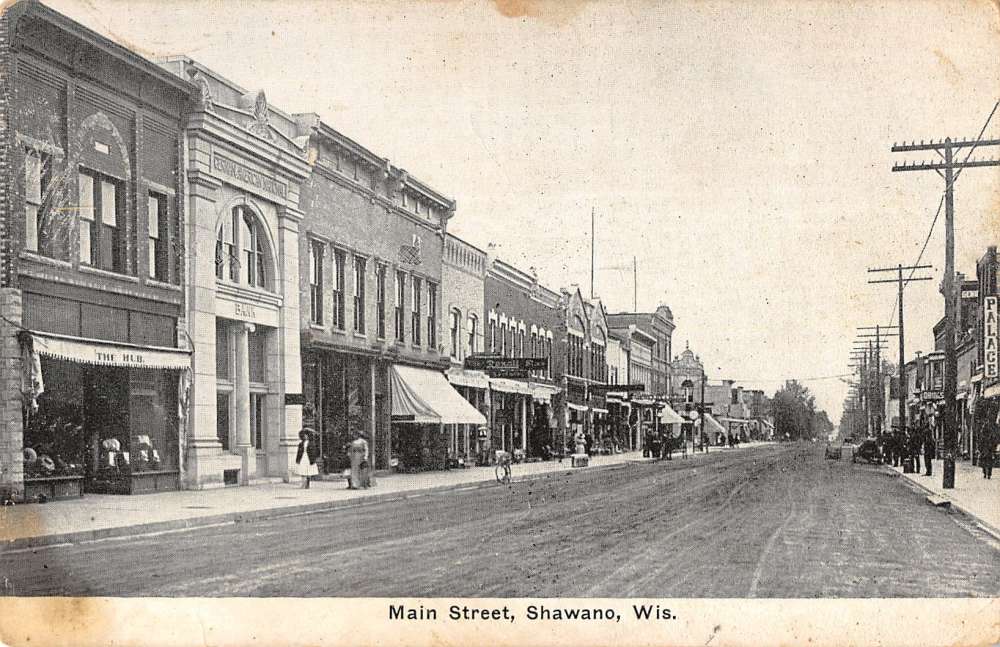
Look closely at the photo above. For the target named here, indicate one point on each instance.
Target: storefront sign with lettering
(991, 337)
(232, 170)
(229, 307)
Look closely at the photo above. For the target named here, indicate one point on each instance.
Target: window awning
(471, 379)
(542, 393)
(422, 396)
(509, 386)
(576, 407)
(106, 353)
(711, 424)
(669, 417)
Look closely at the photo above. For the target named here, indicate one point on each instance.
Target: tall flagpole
(592, 252)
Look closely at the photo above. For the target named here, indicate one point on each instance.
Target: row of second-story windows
(460, 337)
(513, 341)
(102, 220)
(598, 363)
(359, 299)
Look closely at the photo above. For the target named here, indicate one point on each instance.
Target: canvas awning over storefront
(669, 417)
(509, 386)
(105, 353)
(712, 425)
(470, 379)
(422, 396)
(992, 391)
(575, 407)
(542, 393)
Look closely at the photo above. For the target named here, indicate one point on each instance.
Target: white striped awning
(470, 379)
(542, 393)
(106, 353)
(509, 386)
(669, 416)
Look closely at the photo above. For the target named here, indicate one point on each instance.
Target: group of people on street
(662, 445)
(307, 459)
(903, 449)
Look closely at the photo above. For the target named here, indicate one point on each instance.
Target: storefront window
(346, 407)
(106, 424)
(153, 420)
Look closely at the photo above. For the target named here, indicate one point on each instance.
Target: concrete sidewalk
(97, 516)
(972, 494)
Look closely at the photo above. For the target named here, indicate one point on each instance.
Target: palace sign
(991, 337)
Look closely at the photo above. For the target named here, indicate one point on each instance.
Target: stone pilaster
(11, 420)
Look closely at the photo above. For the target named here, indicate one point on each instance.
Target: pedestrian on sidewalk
(306, 457)
(929, 451)
(987, 448)
(914, 447)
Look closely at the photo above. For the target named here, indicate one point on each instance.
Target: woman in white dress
(306, 457)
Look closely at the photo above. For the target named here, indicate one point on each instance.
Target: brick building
(580, 359)
(371, 256)
(463, 275)
(522, 321)
(93, 257)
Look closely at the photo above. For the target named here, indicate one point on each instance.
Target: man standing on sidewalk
(929, 450)
(987, 448)
(914, 445)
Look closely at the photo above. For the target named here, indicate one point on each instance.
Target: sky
(739, 151)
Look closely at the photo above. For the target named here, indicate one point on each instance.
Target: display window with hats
(98, 428)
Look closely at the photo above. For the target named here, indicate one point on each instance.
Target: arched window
(241, 251)
(688, 387)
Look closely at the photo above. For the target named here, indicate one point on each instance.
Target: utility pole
(901, 327)
(947, 168)
(635, 285)
(701, 415)
(875, 386)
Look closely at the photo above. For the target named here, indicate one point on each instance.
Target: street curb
(193, 523)
(952, 504)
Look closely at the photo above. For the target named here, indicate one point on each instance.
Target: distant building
(523, 319)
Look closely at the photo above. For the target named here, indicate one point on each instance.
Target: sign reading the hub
(256, 313)
(991, 337)
(245, 175)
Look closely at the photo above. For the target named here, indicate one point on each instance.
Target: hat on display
(47, 463)
(30, 455)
